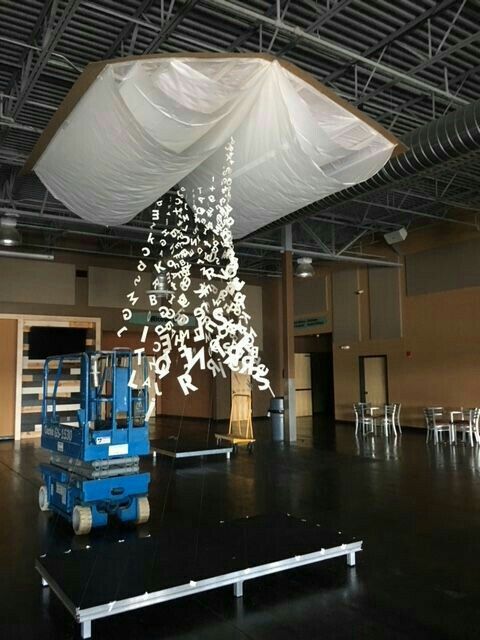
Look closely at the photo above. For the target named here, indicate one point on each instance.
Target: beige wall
(437, 361)
(440, 332)
(26, 280)
(111, 318)
(309, 304)
(212, 399)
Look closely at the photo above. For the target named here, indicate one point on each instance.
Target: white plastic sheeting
(144, 126)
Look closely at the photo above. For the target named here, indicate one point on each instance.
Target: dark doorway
(322, 384)
(321, 358)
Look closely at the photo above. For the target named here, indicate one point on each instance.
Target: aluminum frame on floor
(191, 453)
(53, 574)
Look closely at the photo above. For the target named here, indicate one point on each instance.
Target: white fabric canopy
(146, 125)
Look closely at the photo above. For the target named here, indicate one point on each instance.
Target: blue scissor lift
(94, 464)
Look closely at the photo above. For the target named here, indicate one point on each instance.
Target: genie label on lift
(62, 491)
(118, 450)
(103, 440)
(59, 433)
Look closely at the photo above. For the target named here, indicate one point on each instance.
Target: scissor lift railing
(105, 393)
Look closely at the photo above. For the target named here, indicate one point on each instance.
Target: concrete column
(288, 339)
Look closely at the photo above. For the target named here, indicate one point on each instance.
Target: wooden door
(303, 385)
(8, 376)
(373, 382)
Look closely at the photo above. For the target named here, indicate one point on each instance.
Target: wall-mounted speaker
(396, 236)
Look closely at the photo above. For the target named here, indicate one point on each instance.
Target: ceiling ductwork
(377, 62)
(447, 138)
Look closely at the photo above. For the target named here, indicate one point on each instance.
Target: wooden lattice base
(235, 440)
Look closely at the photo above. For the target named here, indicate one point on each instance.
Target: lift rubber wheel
(43, 498)
(81, 520)
(143, 510)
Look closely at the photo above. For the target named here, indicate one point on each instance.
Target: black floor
(417, 508)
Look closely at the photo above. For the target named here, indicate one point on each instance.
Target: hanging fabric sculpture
(131, 130)
(143, 126)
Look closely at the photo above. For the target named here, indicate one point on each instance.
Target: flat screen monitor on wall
(55, 341)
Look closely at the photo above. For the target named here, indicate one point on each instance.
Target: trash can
(276, 413)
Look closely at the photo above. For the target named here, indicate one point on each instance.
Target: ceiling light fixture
(25, 255)
(304, 268)
(10, 236)
(160, 286)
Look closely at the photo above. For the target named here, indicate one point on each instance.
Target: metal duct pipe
(26, 255)
(321, 255)
(73, 219)
(447, 138)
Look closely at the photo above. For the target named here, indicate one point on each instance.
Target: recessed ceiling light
(9, 234)
(304, 268)
(160, 286)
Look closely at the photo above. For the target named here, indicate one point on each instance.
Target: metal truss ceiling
(403, 63)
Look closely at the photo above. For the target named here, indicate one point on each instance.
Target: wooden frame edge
(18, 386)
(93, 70)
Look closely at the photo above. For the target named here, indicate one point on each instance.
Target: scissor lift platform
(112, 578)
(94, 471)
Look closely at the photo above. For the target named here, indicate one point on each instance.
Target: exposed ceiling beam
(53, 38)
(352, 223)
(24, 255)
(402, 31)
(251, 31)
(417, 212)
(17, 125)
(128, 28)
(420, 67)
(60, 249)
(74, 221)
(113, 235)
(54, 33)
(324, 17)
(170, 27)
(349, 244)
(315, 237)
(340, 51)
(320, 255)
(34, 35)
(12, 158)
